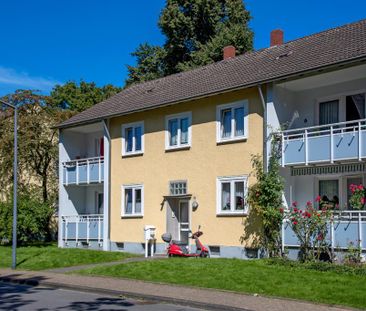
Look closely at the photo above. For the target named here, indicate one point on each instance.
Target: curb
(127, 294)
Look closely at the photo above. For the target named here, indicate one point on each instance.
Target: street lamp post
(15, 186)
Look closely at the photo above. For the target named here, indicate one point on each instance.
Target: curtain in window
(359, 101)
(328, 190)
(328, 112)
(239, 121)
(173, 131)
(239, 195)
(137, 201)
(225, 196)
(128, 201)
(138, 134)
(184, 131)
(226, 123)
(129, 139)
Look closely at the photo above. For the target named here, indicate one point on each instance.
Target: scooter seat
(176, 242)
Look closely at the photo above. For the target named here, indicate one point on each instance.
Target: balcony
(346, 227)
(82, 228)
(83, 171)
(324, 144)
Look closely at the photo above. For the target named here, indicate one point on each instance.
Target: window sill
(232, 214)
(132, 154)
(232, 140)
(171, 149)
(132, 216)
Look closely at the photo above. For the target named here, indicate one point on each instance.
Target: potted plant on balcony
(358, 196)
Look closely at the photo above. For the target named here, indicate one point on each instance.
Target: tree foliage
(196, 31)
(78, 97)
(265, 197)
(37, 143)
(33, 220)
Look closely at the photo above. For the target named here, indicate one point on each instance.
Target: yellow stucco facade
(200, 165)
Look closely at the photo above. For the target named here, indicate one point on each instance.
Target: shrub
(33, 220)
(310, 228)
(265, 197)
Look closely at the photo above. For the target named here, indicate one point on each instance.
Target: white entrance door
(183, 220)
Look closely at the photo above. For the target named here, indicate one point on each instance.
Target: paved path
(112, 263)
(27, 298)
(194, 297)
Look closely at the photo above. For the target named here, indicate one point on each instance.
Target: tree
(78, 97)
(37, 143)
(196, 31)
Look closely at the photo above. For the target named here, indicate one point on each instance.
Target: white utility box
(149, 235)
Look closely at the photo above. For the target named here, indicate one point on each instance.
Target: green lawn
(255, 276)
(50, 256)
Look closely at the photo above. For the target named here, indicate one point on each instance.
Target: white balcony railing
(345, 227)
(82, 228)
(324, 143)
(83, 171)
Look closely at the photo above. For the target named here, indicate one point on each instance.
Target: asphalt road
(21, 297)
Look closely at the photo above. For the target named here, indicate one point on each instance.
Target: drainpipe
(265, 160)
(106, 186)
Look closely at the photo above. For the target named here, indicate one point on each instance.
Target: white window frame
(341, 97)
(133, 152)
(178, 116)
(242, 103)
(133, 187)
(231, 180)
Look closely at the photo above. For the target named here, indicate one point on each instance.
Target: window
(232, 121)
(231, 195)
(329, 112)
(178, 131)
(329, 192)
(132, 200)
(178, 187)
(133, 138)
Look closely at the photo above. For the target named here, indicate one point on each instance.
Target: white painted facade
(84, 203)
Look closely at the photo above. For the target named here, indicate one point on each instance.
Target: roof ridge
(240, 56)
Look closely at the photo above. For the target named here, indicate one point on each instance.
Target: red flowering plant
(358, 196)
(310, 227)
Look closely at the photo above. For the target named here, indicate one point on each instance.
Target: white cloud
(23, 80)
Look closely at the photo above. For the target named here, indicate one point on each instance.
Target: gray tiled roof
(327, 48)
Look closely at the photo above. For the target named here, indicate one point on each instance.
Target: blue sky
(45, 42)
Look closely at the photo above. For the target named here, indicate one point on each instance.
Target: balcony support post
(87, 229)
(100, 170)
(87, 171)
(283, 150)
(359, 142)
(283, 237)
(331, 145)
(77, 172)
(359, 230)
(77, 231)
(332, 236)
(306, 147)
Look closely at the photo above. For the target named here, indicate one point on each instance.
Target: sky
(48, 42)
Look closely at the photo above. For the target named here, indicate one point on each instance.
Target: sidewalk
(189, 296)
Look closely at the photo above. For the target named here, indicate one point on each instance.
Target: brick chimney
(229, 51)
(276, 37)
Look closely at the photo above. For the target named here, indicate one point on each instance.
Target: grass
(255, 276)
(49, 256)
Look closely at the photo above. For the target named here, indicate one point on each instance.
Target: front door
(183, 221)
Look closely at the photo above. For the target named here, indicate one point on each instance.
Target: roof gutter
(253, 84)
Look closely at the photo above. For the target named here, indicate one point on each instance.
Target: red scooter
(180, 249)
